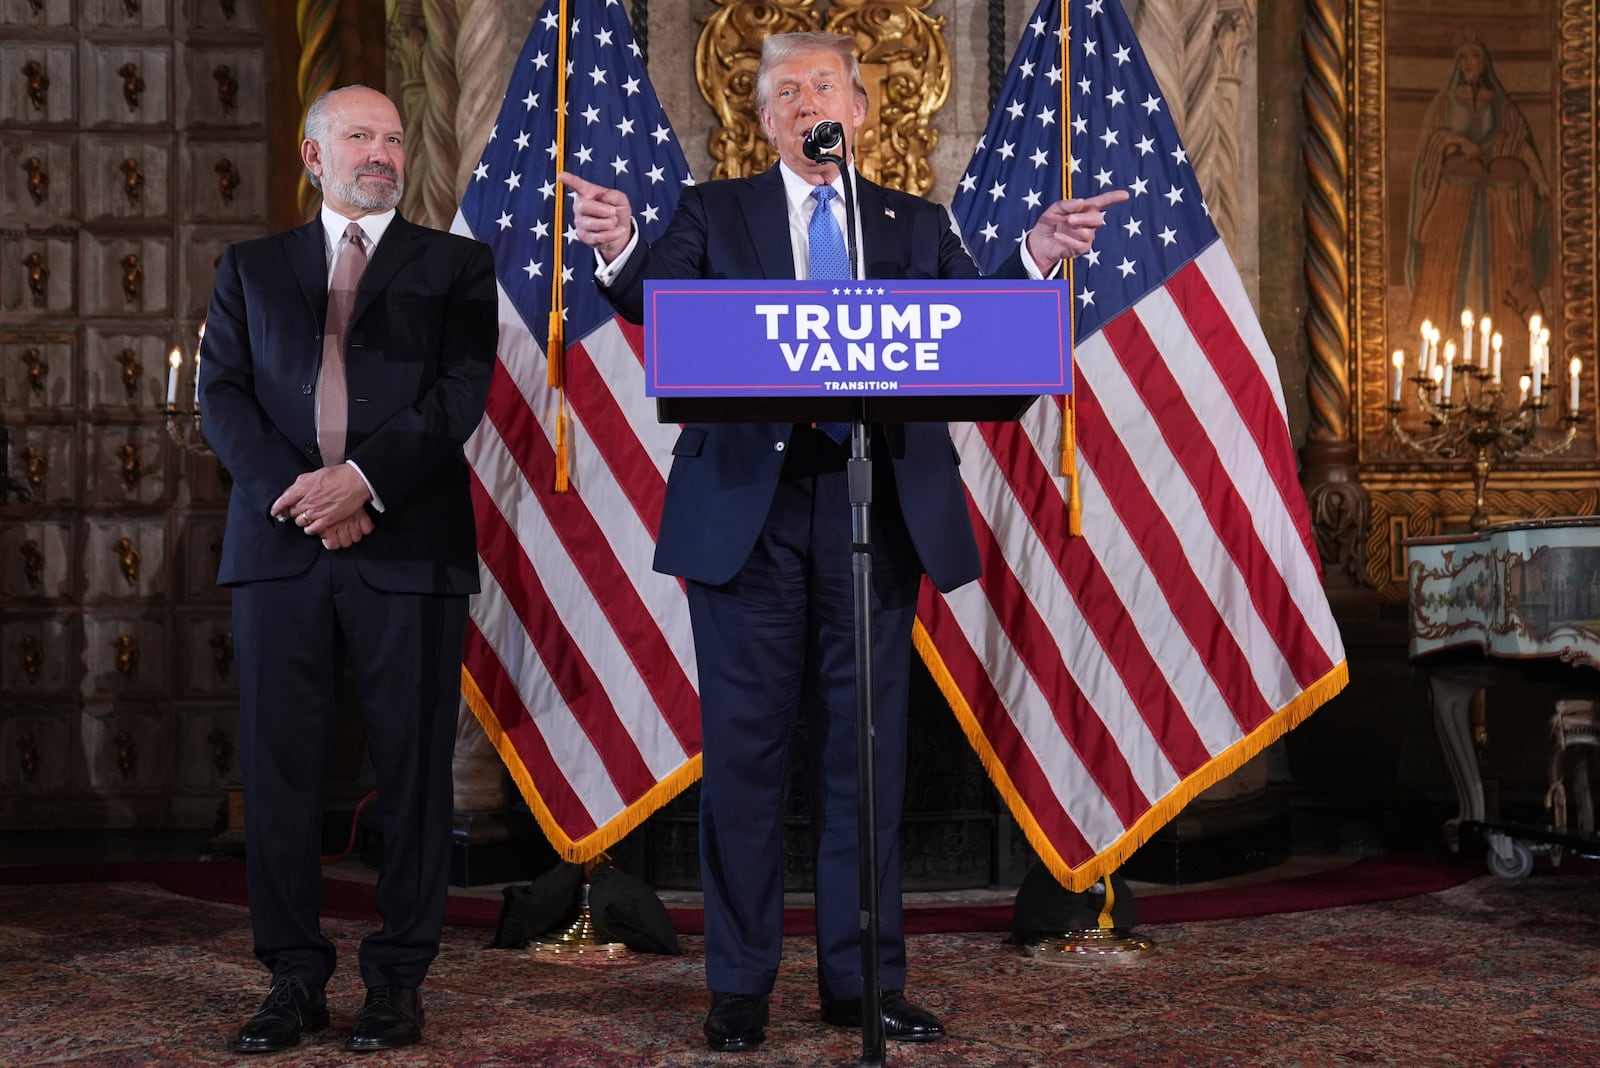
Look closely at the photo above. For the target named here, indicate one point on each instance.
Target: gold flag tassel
(555, 350)
(1069, 406)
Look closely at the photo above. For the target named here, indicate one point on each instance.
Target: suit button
(778, 446)
(311, 448)
(307, 389)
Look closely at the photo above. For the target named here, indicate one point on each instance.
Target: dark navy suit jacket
(724, 474)
(418, 360)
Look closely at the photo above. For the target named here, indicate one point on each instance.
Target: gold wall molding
(905, 65)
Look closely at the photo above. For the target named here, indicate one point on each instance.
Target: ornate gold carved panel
(905, 66)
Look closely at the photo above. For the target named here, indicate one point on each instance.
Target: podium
(907, 352)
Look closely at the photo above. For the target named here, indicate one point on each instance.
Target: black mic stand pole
(859, 480)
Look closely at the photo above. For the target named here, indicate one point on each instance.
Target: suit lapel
(761, 201)
(307, 251)
(881, 237)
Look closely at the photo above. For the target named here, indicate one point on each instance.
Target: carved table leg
(1452, 691)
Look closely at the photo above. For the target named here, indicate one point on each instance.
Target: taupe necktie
(333, 397)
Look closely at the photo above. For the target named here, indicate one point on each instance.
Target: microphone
(825, 143)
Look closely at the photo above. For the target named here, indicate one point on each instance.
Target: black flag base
(1058, 925)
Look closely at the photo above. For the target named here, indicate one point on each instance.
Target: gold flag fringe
(602, 838)
(1207, 775)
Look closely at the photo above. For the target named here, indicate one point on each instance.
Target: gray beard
(353, 192)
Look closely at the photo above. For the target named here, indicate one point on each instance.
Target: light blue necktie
(828, 259)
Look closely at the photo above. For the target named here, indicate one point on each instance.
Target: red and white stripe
(1107, 679)
(579, 660)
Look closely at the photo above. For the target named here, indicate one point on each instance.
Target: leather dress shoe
(736, 1022)
(902, 1021)
(390, 1018)
(290, 1009)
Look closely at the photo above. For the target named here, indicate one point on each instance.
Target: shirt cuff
(377, 505)
(1032, 268)
(605, 273)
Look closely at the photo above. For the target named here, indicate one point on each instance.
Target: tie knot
(355, 235)
(822, 194)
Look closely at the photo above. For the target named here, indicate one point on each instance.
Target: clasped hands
(328, 503)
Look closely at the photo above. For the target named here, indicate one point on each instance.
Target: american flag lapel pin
(889, 212)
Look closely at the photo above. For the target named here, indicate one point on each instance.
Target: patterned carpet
(1486, 973)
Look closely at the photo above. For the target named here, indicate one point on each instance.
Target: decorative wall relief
(227, 179)
(132, 180)
(38, 83)
(132, 277)
(128, 558)
(38, 179)
(905, 66)
(35, 465)
(28, 755)
(132, 85)
(131, 370)
(222, 653)
(37, 369)
(38, 277)
(132, 465)
(725, 61)
(32, 657)
(227, 87)
(127, 649)
(127, 751)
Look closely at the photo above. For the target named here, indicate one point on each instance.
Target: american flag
(1105, 680)
(579, 662)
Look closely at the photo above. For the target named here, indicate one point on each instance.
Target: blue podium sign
(875, 338)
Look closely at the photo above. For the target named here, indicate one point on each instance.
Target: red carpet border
(1363, 881)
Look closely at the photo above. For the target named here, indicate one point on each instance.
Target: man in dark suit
(757, 520)
(345, 362)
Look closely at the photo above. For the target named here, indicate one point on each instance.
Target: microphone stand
(859, 480)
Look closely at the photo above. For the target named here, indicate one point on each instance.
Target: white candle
(1536, 365)
(1466, 336)
(1422, 350)
(1484, 329)
(174, 361)
(1496, 364)
(199, 342)
(1399, 360)
(1574, 371)
(1524, 398)
(1449, 366)
(1544, 349)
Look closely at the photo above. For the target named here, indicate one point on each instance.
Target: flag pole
(555, 345)
(1069, 403)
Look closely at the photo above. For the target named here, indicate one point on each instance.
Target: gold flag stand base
(580, 938)
(1099, 943)
(1103, 942)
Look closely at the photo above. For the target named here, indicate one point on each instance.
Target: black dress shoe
(290, 1010)
(391, 1018)
(736, 1022)
(902, 1021)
